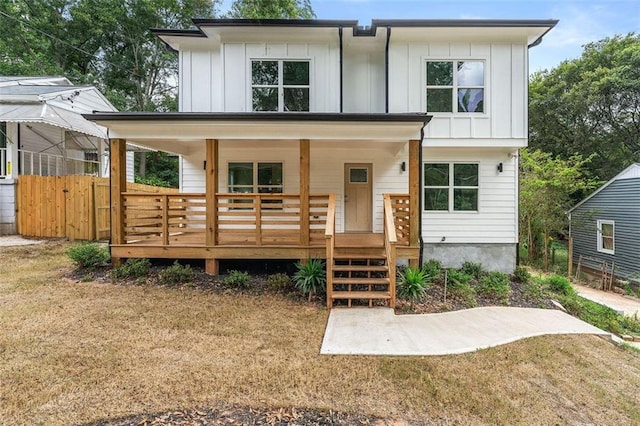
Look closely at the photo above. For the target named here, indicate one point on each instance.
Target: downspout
(341, 66)
(386, 72)
(420, 177)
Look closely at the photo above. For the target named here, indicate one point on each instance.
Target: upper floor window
(606, 236)
(278, 85)
(451, 187)
(455, 86)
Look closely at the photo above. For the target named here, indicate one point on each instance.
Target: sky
(581, 21)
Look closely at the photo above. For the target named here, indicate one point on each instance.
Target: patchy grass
(76, 352)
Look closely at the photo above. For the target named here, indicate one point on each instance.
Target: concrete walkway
(378, 331)
(17, 240)
(624, 304)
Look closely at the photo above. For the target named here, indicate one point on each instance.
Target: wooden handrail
(329, 233)
(390, 241)
(389, 223)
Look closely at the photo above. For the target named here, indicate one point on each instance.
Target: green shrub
(459, 284)
(433, 269)
(279, 282)
(521, 275)
(560, 285)
(132, 268)
(238, 279)
(176, 274)
(88, 255)
(311, 277)
(412, 284)
(474, 269)
(495, 285)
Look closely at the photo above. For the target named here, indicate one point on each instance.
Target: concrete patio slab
(378, 331)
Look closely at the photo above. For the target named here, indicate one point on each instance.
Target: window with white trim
(278, 85)
(451, 186)
(606, 236)
(455, 86)
(255, 177)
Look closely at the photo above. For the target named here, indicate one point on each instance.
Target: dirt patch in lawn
(74, 352)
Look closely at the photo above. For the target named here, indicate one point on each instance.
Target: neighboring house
(606, 225)
(316, 138)
(42, 132)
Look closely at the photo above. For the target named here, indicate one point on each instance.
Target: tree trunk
(546, 251)
(142, 164)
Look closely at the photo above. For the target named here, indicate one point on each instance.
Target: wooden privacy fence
(76, 207)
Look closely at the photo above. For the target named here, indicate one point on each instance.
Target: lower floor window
(451, 186)
(606, 236)
(256, 177)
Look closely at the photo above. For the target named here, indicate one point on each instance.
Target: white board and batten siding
(326, 168)
(504, 122)
(496, 220)
(219, 79)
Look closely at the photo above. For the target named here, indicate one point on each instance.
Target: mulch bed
(242, 416)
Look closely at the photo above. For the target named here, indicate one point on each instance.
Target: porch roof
(156, 128)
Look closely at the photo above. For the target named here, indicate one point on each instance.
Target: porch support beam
(211, 201)
(304, 191)
(414, 191)
(118, 173)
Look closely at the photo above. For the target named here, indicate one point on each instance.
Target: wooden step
(359, 256)
(361, 281)
(360, 268)
(360, 295)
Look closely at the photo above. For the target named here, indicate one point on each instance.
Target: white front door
(358, 207)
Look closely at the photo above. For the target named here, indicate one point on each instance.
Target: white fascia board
(198, 130)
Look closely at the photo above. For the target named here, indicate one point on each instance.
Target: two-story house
(317, 138)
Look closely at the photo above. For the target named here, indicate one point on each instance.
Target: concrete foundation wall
(7, 207)
(493, 257)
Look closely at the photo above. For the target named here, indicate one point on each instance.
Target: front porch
(285, 223)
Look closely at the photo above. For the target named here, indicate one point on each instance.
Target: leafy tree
(271, 9)
(590, 106)
(547, 184)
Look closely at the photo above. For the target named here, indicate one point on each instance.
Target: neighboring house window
(3, 134)
(451, 186)
(455, 86)
(279, 85)
(606, 236)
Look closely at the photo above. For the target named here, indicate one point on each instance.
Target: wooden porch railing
(242, 219)
(329, 234)
(390, 242)
(400, 209)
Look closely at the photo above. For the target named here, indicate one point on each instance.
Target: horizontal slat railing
(400, 209)
(242, 219)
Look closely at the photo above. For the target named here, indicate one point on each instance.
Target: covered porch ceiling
(181, 132)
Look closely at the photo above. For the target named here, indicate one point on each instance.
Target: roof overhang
(209, 31)
(176, 131)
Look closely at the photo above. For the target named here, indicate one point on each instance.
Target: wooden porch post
(304, 191)
(414, 192)
(118, 164)
(211, 185)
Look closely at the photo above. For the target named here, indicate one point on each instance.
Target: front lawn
(74, 352)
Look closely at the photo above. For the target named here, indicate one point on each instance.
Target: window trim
(280, 86)
(451, 188)
(454, 87)
(600, 248)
